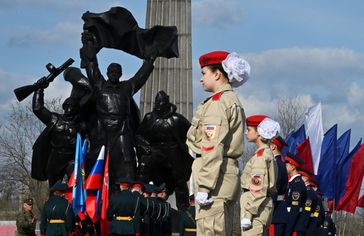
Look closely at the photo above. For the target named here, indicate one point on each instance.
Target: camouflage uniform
(25, 221)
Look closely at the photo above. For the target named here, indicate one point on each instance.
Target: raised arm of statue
(139, 79)
(39, 109)
(89, 60)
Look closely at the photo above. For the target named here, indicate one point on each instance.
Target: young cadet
(187, 226)
(310, 204)
(316, 218)
(296, 194)
(278, 220)
(215, 136)
(57, 217)
(258, 180)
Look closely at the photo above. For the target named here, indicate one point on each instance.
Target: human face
(114, 73)
(28, 207)
(289, 167)
(251, 134)
(208, 79)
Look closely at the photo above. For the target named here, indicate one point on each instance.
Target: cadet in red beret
(215, 136)
(278, 218)
(258, 179)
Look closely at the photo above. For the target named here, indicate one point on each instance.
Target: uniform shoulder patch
(260, 152)
(295, 195)
(217, 96)
(257, 179)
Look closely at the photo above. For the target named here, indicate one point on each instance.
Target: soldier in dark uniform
(316, 218)
(25, 220)
(57, 216)
(164, 132)
(295, 196)
(115, 109)
(54, 150)
(328, 227)
(148, 193)
(187, 219)
(161, 225)
(122, 210)
(278, 220)
(310, 204)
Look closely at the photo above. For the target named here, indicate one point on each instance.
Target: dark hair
(219, 67)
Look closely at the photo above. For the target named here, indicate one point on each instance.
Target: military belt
(124, 218)
(190, 230)
(56, 221)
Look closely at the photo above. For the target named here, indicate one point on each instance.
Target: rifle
(23, 92)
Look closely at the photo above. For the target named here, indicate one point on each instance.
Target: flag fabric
(327, 167)
(118, 29)
(343, 168)
(293, 139)
(104, 224)
(343, 145)
(79, 190)
(304, 151)
(315, 132)
(361, 201)
(350, 199)
(94, 187)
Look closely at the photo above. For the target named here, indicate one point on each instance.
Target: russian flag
(94, 186)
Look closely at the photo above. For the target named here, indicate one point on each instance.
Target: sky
(313, 50)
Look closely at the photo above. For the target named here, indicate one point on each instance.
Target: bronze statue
(54, 150)
(116, 111)
(162, 153)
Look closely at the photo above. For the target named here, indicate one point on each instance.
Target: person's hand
(42, 83)
(245, 223)
(203, 199)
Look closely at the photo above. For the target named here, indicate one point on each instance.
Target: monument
(174, 75)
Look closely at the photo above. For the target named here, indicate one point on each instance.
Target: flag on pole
(94, 187)
(304, 151)
(315, 132)
(326, 171)
(343, 172)
(343, 145)
(79, 191)
(350, 199)
(104, 224)
(293, 139)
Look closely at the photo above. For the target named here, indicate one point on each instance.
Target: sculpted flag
(350, 200)
(94, 186)
(118, 29)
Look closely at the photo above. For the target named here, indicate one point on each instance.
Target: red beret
(279, 142)
(255, 120)
(138, 185)
(211, 58)
(306, 173)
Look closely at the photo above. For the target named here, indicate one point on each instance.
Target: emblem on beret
(295, 195)
(210, 131)
(257, 179)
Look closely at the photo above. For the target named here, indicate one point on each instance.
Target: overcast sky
(312, 49)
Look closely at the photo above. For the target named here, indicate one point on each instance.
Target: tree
(17, 136)
(290, 113)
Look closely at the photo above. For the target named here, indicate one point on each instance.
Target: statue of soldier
(116, 111)
(54, 149)
(162, 152)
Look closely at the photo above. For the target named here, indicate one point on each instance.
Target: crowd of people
(276, 195)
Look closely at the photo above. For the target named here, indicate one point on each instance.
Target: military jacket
(258, 182)
(308, 210)
(57, 217)
(216, 133)
(25, 224)
(187, 226)
(295, 199)
(122, 213)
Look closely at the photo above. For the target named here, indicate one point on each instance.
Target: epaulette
(260, 152)
(217, 96)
